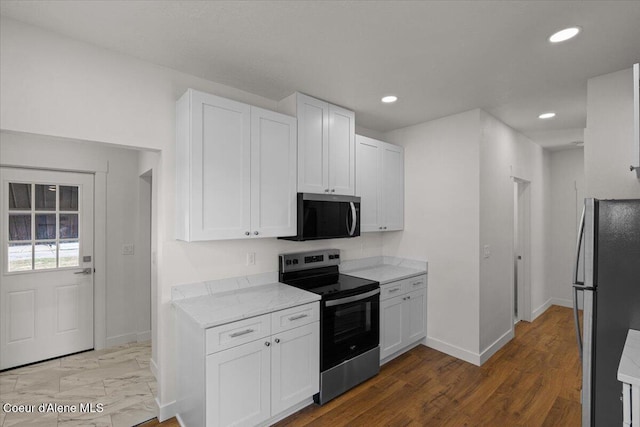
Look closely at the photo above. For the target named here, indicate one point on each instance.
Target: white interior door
(46, 292)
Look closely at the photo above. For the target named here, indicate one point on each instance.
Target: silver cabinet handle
(379, 228)
(333, 190)
(246, 233)
(256, 233)
(245, 332)
(394, 290)
(87, 270)
(267, 343)
(277, 340)
(384, 228)
(326, 190)
(417, 283)
(409, 297)
(299, 316)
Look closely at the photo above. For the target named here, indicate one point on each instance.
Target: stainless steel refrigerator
(607, 276)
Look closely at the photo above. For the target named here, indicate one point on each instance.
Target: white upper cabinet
(326, 145)
(380, 184)
(235, 170)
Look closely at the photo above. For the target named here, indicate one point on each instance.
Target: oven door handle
(353, 298)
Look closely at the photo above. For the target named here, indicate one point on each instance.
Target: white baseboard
(121, 339)
(452, 350)
(562, 302)
(166, 411)
(497, 345)
(143, 336)
(286, 413)
(154, 368)
(538, 311)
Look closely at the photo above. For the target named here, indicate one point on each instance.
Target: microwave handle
(353, 219)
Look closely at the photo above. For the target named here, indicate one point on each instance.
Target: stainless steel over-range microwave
(326, 216)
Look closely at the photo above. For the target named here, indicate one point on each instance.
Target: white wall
(124, 289)
(442, 225)
(505, 154)
(53, 85)
(566, 195)
(609, 137)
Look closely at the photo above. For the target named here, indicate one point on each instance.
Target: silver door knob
(246, 233)
(256, 233)
(267, 343)
(87, 270)
(277, 340)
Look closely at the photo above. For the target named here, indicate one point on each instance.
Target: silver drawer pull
(299, 316)
(394, 290)
(417, 283)
(245, 332)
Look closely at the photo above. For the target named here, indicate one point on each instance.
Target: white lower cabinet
(253, 370)
(403, 315)
(237, 385)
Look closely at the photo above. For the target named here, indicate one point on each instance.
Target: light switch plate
(487, 251)
(251, 258)
(127, 249)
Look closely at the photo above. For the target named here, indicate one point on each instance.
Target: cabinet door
(415, 310)
(313, 144)
(342, 144)
(273, 174)
(368, 164)
(237, 385)
(295, 366)
(220, 168)
(392, 187)
(391, 326)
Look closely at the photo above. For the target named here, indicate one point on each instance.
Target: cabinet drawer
(294, 317)
(414, 283)
(391, 290)
(237, 333)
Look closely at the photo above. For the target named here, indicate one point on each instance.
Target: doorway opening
(521, 251)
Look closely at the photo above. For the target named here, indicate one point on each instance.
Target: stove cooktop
(336, 285)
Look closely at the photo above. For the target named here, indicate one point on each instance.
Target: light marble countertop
(629, 368)
(225, 307)
(385, 269)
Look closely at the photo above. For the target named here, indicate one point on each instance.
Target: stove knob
(288, 262)
(295, 261)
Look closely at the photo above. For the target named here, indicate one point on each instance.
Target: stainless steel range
(349, 319)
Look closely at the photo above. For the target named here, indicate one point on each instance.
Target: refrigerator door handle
(577, 319)
(579, 249)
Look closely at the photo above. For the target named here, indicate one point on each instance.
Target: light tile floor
(119, 378)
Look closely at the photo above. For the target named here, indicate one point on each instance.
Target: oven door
(350, 326)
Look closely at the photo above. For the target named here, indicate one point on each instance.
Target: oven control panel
(306, 260)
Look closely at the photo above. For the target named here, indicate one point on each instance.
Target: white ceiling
(439, 58)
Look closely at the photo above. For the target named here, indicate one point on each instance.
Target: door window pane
(68, 198)
(69, 254)
(45, 226)
(68, 226)
(20, 255)
(44, 255)
(19, 196)
(45, 197)
(20, 227)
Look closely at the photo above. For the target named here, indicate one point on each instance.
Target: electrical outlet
(127, 249)
(487, 251)
(251, 258)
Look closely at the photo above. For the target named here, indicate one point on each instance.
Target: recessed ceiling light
(546, 115)
(389, 99)
(564, 35)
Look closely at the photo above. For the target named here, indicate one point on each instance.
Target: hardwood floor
(532, 381)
